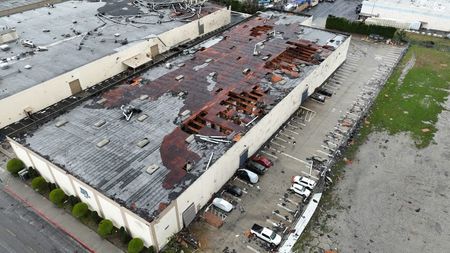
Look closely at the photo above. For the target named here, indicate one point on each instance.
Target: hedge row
(345, 25)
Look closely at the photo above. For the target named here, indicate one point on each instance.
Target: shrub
(80, 209)
(105, 228)
(343, 24)
(39, 184)
(135, 245)
(32, 173)
(124, 236)
(14, 166)
(57, 197)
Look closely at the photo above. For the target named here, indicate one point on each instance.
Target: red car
(264, 161)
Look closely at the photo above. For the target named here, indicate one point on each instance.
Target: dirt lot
(269, 203)
(393, 198)
(394, 194)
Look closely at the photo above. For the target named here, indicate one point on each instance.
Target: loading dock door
(189, 215)
(154, 51)
(243, 157)
(75, 86)
(304, 95)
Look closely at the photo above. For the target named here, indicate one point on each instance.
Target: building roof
(76, 33)
(219, 88)
(419, 8)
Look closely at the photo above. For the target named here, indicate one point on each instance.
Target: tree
(135, 245)
(14, 166)
(80, 209)
(105, 228)
(39, 184)
(400, 36)
(57, 197)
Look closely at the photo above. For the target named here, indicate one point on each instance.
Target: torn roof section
(74, 33)
(145, 141)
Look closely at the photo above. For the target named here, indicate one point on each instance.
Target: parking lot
(314, 131)
(339, 8)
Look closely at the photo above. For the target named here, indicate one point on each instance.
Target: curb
(41, 214)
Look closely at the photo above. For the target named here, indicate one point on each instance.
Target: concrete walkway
(58, 217)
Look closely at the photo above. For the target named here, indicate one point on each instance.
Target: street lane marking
(10, 232)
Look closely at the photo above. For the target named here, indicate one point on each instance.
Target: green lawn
(413, 106)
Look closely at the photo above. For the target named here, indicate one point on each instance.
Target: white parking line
(269, 154)
(291, 131)
(307, 174)
(281, 139)
(295, 158)
(325, 153)
(289, 137)
(271, 141)
(328, 148)
(281, 216)
(285, 208)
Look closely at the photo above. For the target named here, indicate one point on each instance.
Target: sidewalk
(57, 217)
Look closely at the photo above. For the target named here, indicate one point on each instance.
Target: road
(23, 231)
(340, 8)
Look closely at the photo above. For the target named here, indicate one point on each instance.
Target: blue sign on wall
(85, 193)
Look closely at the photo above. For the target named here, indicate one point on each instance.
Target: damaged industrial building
(151, 151)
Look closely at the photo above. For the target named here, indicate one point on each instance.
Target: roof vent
(100, 123)
(152, 168)
(208, 60)
(246, 71)
(143, 97)
(61, 123)
(102, 143)
(181, 65)
(142, 143)
(142, 117)
(179, 77)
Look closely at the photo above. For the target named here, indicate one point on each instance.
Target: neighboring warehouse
(149, 153)
(51, 53)
(408, 14)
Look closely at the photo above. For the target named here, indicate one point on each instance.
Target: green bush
(343, 24)
(105, 228)
(136, 245)
(14, 166)
(80, 210)
(39, 184)
(57, 197)
(124, 236)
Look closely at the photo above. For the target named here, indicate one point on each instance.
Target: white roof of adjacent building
(76, 33)
(418, 7)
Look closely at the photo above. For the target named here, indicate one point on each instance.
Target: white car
(222, 204)
(266, 234)
(300, 190)
(304, 181)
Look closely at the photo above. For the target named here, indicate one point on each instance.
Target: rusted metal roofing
(218, 90)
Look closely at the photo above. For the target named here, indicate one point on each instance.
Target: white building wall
(63, 180)
(170, 221)
(201, 191)
(56, 89)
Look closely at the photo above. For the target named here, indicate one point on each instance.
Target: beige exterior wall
(201, 191)
(170, 221)
(54, 90)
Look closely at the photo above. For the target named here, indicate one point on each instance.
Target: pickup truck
(266, 234)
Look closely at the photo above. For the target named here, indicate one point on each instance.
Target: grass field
(413, 105)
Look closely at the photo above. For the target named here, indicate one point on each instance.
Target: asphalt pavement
(23, 231)
(339, 8)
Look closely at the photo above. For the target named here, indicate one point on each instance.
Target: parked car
(256, 167)
(307, 182)
(222, 204)
(265, 234)
(300, 190)
(264, 161)
(325, 92)
(247, 176)
(233, 190)
(318, 97)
